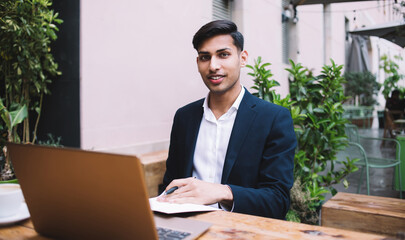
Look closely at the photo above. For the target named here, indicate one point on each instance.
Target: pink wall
(310, 32)
(262, 28)
(137, 67)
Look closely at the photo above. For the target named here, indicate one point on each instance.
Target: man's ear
(243, 58)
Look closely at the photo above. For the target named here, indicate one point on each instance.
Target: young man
(230, 149)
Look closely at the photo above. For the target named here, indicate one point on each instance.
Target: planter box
(361, 116)
(363, 122)
(154, 167)
(362, 213)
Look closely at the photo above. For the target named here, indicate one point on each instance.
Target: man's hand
(195, 191)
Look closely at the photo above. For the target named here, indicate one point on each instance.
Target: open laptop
(77, 194)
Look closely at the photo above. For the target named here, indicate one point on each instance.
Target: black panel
(61, 109)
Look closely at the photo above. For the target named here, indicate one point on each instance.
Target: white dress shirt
(212, 142)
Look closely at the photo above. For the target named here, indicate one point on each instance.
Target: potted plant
(11, 120)
(361, 89)
(316, 108)
(391, 70)
(26, 62)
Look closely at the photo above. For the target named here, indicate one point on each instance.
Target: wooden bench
(370, 214)
(154, 166)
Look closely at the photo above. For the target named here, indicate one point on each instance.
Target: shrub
(316, 108)
(26, 62)
(363, 86)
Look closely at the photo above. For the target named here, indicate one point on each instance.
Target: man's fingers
(184, 200)
(183, 192)
(179, 183)
(191, 190)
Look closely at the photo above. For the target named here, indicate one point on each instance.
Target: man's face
(219, 62)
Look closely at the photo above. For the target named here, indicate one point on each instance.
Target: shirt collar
(234, 105)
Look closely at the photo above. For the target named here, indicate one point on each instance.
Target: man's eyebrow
(219, 50)
(223, 49)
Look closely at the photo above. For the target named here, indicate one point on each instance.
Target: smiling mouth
(216, 79)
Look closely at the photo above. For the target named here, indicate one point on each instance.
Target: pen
(171, 190)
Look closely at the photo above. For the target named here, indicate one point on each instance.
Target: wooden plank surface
(20, 232)
(154, 166)
(241, 226)
(364, 213)
(230, 226)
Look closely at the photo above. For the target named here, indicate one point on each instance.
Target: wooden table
(230, 226)
(363, 213)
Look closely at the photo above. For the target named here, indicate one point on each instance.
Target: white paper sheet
(171, 208)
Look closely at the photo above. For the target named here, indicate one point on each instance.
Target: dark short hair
(218, 27)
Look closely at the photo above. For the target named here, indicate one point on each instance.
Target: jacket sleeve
(271, 195)
(171, 169)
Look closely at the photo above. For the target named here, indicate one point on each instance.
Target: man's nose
(214, 64)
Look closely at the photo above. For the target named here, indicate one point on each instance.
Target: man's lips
(216, 79)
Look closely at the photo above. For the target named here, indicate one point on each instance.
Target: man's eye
(224, 55)
(204, 58)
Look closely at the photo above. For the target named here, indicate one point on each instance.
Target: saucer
(22, 214)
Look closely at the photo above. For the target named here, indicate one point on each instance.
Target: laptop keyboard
(170, 234)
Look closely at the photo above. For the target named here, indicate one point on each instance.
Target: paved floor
(381, 180)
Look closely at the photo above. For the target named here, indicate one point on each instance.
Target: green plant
(317, 113)
(390, 68)
(11, 120)
(362, 86)
(27, 28)
(262, 81)
(264, 86)
(52, 141)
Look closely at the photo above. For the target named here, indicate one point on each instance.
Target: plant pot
(363, 122)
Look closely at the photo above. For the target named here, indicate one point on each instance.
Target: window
(222, 10)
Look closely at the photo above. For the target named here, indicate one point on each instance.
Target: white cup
(11, 198)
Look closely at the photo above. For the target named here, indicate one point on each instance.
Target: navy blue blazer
(260, 157)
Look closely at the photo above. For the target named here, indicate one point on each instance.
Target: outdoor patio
(381, 179)
(96, 83)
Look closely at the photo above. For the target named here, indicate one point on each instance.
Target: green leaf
(18, 115)
(345, 183)
(333, 191)
(5, 115)
(265, 65)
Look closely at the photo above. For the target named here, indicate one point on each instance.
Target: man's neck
(220, 103)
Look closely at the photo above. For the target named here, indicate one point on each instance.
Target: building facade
(138, 66)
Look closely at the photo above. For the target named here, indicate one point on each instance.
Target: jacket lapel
(243, 121)
(193, 127)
